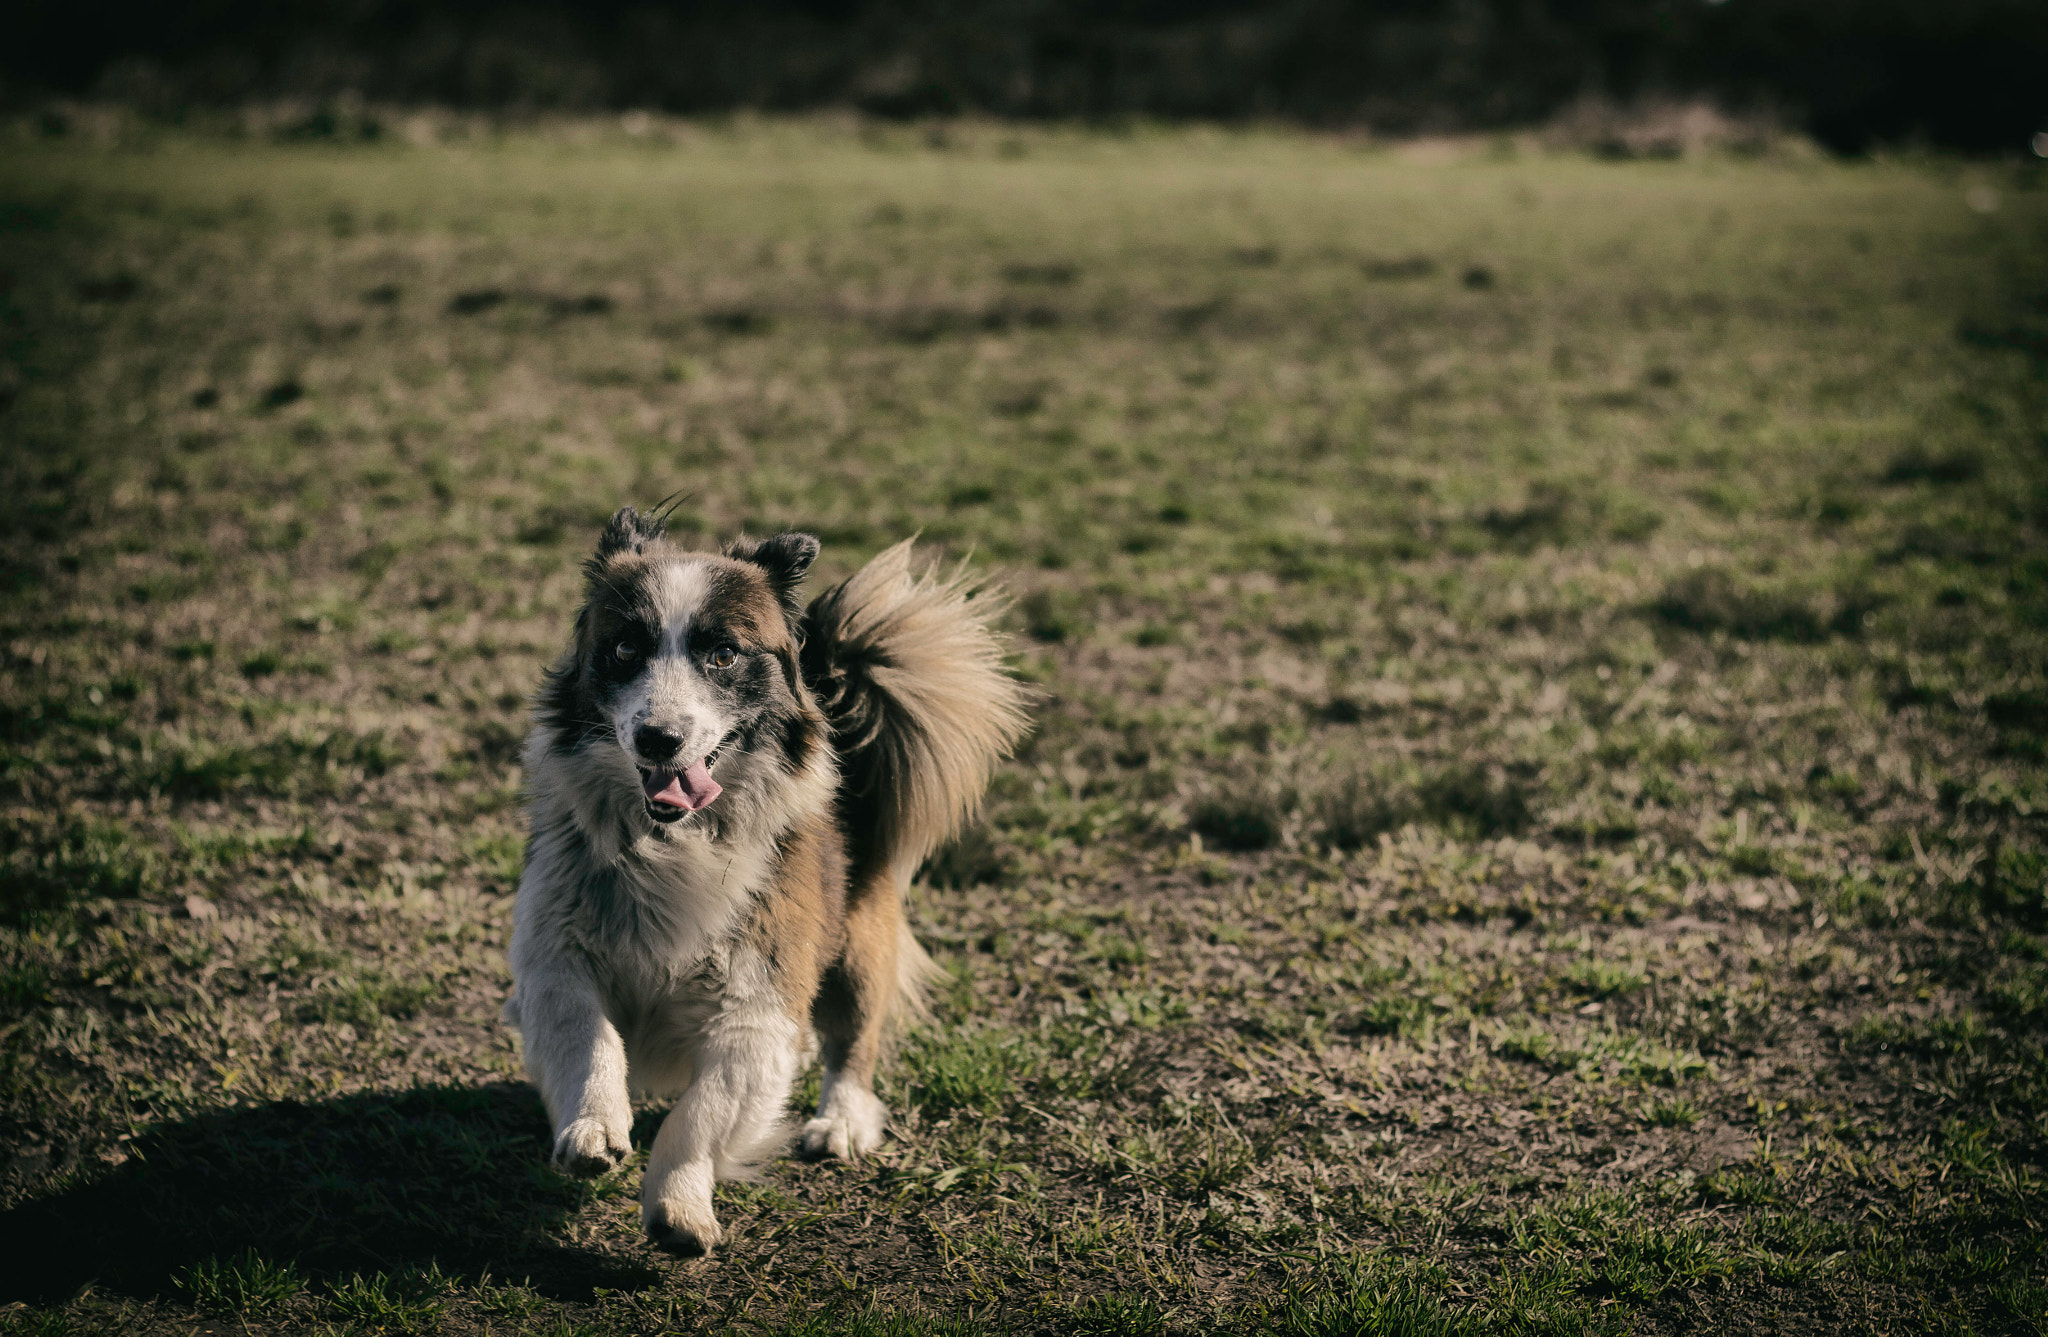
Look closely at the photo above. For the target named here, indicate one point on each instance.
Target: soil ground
(1535, 818)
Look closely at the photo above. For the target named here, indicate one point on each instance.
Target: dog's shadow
(448, 1176)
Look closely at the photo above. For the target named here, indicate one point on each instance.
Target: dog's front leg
(576, 1058)
(729, 1115)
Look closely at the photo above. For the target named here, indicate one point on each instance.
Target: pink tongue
(689, 790)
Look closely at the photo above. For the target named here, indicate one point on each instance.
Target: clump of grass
(1934, 1035)
(1714, 600)
(1206, 1154)
(406, 1303)
(2014, 882)
(873, 1321)
(245, 1284)
(501, 857)
(1115, 1315)
(1370, 1294)
(1402, 1015)
(297, 953)
(28, 1321)
(1622, 1253)
(969, 1069)
(1743, 1188)
(496, 743)
(1644, 1261)
(559, 523)
(46, 868)
(197, 768)
(367, 1000)
(1048, 617)
(2023, 1299)
(517, 1303)
(1552, 514)
(1468, 800)
(1602, 979)
(1155, 635)
(393, 641)
(31, 721)
(1250, 818)
(1559, 514)
(1603, 1055)
(1403, 267)
(1117, 949)
(2021, 998)
(975, 857)
(1529, 1042)
(1753, 860)
(1353, 811)
(1678, 1113)
(1919, 464)
(23, 987)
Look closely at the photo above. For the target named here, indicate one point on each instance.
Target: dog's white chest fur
(656, 934)
(649, 917)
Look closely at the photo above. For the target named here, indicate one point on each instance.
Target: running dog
(729, 795)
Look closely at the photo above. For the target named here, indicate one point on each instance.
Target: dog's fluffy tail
(910, 674)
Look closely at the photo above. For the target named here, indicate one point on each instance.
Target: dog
(728, 796)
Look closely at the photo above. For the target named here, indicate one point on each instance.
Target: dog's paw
(586, 1150)
(683, 1233)
(850, 1125)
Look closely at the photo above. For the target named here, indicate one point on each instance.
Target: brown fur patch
(860, 991)
(797, 924)
(741, 603)
(739, 599)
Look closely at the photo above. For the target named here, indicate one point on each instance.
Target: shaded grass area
(1536, 822)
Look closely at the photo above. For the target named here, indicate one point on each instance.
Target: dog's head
(683, 659)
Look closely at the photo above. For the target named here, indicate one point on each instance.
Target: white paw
(850, 1124)
(586, 1150)
(680, 1229)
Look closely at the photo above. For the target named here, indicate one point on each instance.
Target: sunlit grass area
(1535, 822)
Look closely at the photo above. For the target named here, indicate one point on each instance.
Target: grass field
(1539, 809)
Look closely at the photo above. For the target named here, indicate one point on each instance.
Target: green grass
(962, 1068)
(1537, 820)
(247, 1284)
(404, 1304)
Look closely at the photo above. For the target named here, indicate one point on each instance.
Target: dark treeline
(1964, 73)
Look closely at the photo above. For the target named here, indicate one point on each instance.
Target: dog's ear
(626, 531)
(785, 557)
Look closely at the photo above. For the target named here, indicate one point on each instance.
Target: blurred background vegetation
(1852, 73)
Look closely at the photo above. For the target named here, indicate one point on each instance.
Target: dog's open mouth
(672, 795)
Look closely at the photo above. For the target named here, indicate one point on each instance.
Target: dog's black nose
(656, 744)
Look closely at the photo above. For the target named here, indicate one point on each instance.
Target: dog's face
(685, 659)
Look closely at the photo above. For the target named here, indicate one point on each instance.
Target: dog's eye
(625, 652)
(724, 656)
